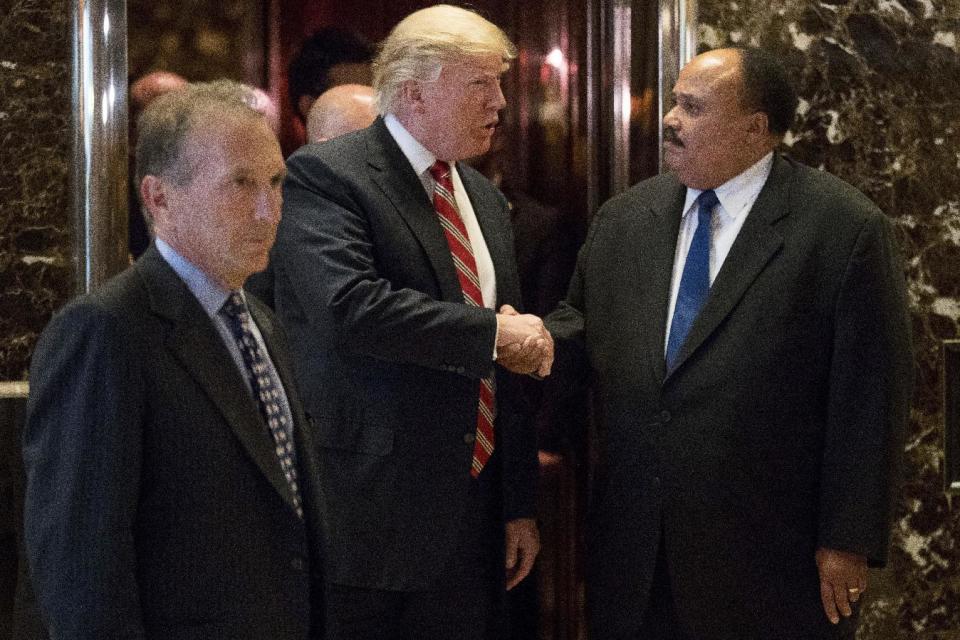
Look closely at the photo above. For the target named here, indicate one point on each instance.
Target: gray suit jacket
(779, 430)
(390, 358)
(155, 504)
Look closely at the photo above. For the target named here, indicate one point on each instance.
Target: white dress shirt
(421, 160)
(736, 197)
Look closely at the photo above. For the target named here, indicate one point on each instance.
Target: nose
(671, 119)
(268, 204)
(499, 101)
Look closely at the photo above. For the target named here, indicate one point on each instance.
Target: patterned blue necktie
(267, 395)
(695, 282)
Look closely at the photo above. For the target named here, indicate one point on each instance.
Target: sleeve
(869, 391)
(326, 249)
(517, 441)
(566, 325)
(82, 452)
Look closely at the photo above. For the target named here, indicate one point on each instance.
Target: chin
(259, 265)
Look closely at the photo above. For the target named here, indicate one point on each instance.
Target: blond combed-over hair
(420, 44)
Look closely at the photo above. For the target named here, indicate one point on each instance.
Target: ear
(153, 194)
(411, 94)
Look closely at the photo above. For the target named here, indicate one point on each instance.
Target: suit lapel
(395, 177)
(195, 342)
(755, 245)
(657, 267)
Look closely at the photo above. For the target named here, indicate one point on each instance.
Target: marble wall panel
(880, 107)
(36, 269)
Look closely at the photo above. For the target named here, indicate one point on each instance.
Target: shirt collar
(208, 293)
(418, 155)
(738, 191)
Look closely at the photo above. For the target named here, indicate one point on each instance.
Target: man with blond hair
(391, 262)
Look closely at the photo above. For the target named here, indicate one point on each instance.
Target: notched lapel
(195, 342)
(391, 171)
(215, 371)
(755, 246)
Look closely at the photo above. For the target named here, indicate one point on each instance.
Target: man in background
(171, 482)
(328, 58)
(391, 263)
(743, 320)
(340, 110)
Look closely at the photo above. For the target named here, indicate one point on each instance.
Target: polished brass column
(100, 140)
(643, 45)
(677, 45)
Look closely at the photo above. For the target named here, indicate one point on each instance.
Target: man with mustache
(171, 481)
(743, 320)
(391, 264)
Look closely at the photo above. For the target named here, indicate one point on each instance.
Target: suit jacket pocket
(355, 436)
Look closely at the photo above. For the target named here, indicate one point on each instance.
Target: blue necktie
(695, 282)
(261, 381)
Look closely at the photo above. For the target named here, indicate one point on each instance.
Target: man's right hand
(523, 344)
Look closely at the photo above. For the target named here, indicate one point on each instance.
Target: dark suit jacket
(155, 504)
(779, 430)
(390, 358)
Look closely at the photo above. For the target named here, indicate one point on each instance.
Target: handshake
(523, 344)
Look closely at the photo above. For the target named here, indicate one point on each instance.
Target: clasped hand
(523, 344)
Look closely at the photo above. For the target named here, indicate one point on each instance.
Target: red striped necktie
(463, 259)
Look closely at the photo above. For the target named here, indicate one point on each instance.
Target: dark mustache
(670, 135)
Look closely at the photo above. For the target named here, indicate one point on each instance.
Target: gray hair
(163, 126)
(424, 41)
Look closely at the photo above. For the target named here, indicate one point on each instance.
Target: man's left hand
(843, 579)
(522, 547)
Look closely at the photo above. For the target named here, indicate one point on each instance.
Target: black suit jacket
(155, 504)
(779, 430)
(390, 358)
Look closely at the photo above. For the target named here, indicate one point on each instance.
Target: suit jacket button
(469, 438)
(297, 564)
(665, 416)
(460, 370)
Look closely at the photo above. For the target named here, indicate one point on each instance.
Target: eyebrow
(687, 96)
